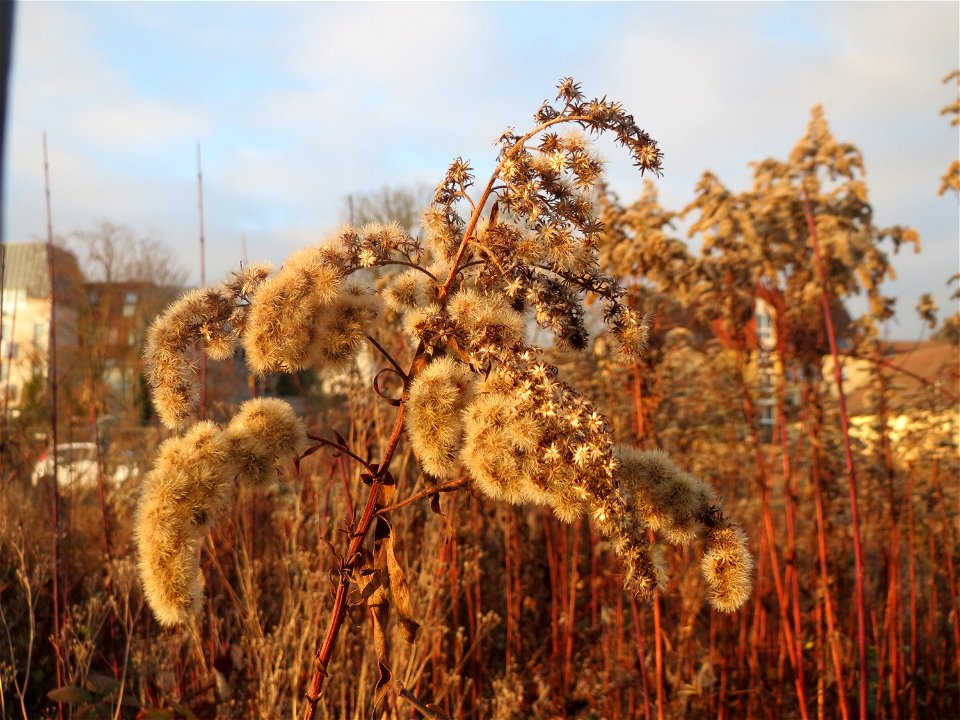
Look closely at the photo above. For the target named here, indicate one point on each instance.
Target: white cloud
(299, 104)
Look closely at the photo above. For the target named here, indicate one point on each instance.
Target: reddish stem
(322, 659)
(848, 454)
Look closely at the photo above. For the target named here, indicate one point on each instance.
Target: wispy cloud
(297, 105)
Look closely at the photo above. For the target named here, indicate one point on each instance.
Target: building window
(41, 335)
(766, 415)
(129, 304)
(764, 327)
(766, 423)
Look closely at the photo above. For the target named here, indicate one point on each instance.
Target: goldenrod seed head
(668, 499)
(407, 291)
(282, 320)
(184, 493)
(341, 327)
(490, 453)
(263, 432)
(220, 345)
(438, 395)
(727, 566)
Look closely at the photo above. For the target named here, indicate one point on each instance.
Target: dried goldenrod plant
(479, 401)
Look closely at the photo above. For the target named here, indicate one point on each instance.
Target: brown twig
(445, 487)
(322, 659)
(425, 710)
(52, 379)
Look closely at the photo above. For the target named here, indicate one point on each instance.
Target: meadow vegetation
(536, 459)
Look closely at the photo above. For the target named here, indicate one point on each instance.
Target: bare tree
(401, 204)
(113, 253)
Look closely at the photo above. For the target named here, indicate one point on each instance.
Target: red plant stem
(508, 573)
(912, 583)
(761, 468)
(821, 665)
(934, 607)
(559, 600)
(658, 650)
(822, 552)
(571, 609)
(638, 400)
(52, 379)
(554, 583)
(594, 580)
(337, 615)
(793, 570)
(893, 615)
(848, 454)
(759, 614)
(642, 656)
(477, 643)
(954, 613)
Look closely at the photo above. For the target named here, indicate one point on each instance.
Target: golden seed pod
(727, 566)
(438, 395)
(281, 324)
(185, 492)
(263, 432)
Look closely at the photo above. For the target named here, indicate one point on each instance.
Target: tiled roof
(915, 371)
(25, 268)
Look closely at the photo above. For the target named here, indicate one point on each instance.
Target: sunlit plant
(479, 401)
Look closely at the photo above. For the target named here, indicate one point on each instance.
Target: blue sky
(298, 104)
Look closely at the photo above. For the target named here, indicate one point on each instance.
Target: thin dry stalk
(52, 384)
(337, 615)
(848, 455)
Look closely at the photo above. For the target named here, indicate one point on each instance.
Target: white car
(77, 467)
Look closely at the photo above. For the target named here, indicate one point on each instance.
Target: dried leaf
(399, 590)
(70, 695)
(383, 683)
(101, 684)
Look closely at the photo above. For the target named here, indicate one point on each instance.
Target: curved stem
(339, 448)
(413, 265)
(445, 487)
(388, 356)
(485, 195)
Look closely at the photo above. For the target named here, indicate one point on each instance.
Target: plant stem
(848, 453)
(322, 659)
(52, 379)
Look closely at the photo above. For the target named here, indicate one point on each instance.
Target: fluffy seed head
(263, 432)
(438, 395)
(176, 393)
(407, 291)
(496, 448)
(220, 345)
(341, 326)
(282, 320)
(487, 319)
(727, 566)
(184, 493)
(668, 499)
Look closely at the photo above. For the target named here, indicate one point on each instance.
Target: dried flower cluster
(477, 397)
(190, 486)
